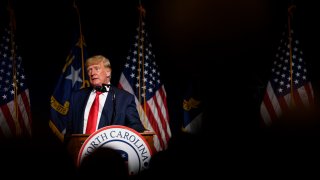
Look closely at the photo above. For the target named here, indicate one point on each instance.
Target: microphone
(101, 88)
(108, 85)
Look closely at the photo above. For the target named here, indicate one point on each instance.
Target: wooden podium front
(75, 142)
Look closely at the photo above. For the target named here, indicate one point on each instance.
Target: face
(98, 74)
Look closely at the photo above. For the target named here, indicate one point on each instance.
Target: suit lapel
(106, 112)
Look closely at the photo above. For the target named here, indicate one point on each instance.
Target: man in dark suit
(115, 107)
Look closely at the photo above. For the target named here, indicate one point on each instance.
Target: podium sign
(135, 147)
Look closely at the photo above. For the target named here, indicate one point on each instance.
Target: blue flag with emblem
(72, 78)
(192, 109)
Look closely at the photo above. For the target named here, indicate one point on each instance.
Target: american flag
(289, 85)
(141, 77)
(15, 112)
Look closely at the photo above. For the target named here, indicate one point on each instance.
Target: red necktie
(93, 115)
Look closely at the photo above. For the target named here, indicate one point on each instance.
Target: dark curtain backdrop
(228, 46)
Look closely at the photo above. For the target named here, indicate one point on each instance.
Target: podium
(75, 142)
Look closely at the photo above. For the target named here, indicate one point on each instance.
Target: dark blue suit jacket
(125, 112)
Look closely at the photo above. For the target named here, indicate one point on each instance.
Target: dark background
(227, 46)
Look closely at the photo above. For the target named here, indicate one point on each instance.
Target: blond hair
(97, 59)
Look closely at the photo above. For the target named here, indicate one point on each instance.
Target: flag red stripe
(25, 100)
(297, 98)
(21, 123)
(309, 93)
(284, 105)
(164, 99)
(269, 106)
(154, 124)
(162, 118)
(23, 115)
(162, 121)
(8, 118)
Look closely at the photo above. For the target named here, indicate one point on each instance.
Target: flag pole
(141, 58)
(14, 70)
(290, 16)
(81, 41)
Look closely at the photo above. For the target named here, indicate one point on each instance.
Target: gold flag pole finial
(142, 10)
(291, 8)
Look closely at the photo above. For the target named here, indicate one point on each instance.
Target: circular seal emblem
(129, 143)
